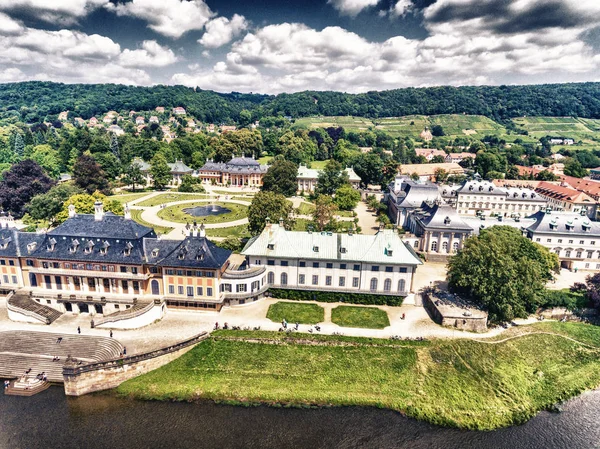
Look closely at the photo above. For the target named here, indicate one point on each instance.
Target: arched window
(387, 285)
(401, 285)
(271, 277)
(155, 288)
(373, 284)
(455, 247)
(434, 246)
(445, 247)
(283, 278)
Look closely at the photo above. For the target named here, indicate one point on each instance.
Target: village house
(179, 111)
(239, 171)
(153, 119)
(160, 109)
(309, 177)
(430, 153)
(426, 172)
(459, 157)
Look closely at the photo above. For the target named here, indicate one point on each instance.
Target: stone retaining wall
(98, 376)
(454, 316)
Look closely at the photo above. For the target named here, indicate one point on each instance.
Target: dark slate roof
(29, 242)
(180, 167)
(238, 165)
(442, 216)
(564, 223)
(243, 161)
(481, 188)
(415, 193)
(111, 226)
(74, 249)
(9, 243)
(212, 166)
(192, 252)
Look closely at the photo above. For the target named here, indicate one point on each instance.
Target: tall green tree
(503, 271)
(347, 197)
(20, 184)
(281, 177)
(89, 176)
(47, 205)
(269, 205)
(18, 145)
(323, 216)
(84, 204)
(573, 168)
(160, 171)
(331, 178)
(114, 146)
(134, 176)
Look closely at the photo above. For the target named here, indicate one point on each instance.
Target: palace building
(239, 171)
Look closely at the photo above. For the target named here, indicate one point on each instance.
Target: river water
(50, 420)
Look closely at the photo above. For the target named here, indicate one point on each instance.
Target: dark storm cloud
(500, 18)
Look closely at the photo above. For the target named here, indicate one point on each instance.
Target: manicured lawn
(171, 197)
(301, 224)
(462, 383)
(352, 316)
(265, 160)
(294, 312)
(240, 231)
(176, 213)
(128, 197)
(136, 215)
(306, 208)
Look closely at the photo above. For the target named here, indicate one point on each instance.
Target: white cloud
(221, 31)
(401, 8)
(64, 12)
(171, 18)
(352, 7)
(150, 55)
(12, 75)
(9, 26)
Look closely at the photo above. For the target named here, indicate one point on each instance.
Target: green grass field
(240, 231)
(165, 198)
(306, 208)
(294, 312)
(136, 215)
(177, 213)
(584, 130)
(352, 316)
(128, 197)
(461, 383)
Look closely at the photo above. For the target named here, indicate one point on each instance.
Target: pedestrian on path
(110, 334)
(124, 350)
(78, 330)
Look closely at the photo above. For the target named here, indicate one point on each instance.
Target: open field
(165, 198)
(585, 130)
(295, 312)
(177, 213)
(136, 214)
(461, 383)
(353, 316)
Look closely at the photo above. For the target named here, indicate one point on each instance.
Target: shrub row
(350, 298)
(565, 298)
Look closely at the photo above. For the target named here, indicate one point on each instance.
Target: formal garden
(223, 212)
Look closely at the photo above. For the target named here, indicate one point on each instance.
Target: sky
(274, 46)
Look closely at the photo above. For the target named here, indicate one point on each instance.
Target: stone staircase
(136, 310)
(20, 351)
(25, 304)
(26, 387)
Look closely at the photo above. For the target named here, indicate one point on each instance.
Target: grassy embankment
(176, 213)
(367, 317)
(136, 215)
(460, 383)
(295, 312)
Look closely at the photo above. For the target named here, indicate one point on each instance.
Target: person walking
(110, 334)
(78, 330)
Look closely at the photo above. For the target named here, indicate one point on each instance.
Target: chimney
(72, 212)
(202, 232)
(98, 210)
(127, 211)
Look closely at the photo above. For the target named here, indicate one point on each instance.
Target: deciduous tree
(281, 177)
(89, 176)
(269, 205)
(20, 184)
(160, 171)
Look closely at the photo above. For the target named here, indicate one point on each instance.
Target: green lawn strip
(128, 197)
(301, 224)
(352, 316)
(136, 215)
(171, 197)
(240, 231)
(176, 213)
(294, 312)
(306, 208)
(460, 383)
(345, 213)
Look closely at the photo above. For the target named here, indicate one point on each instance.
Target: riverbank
(479, 385)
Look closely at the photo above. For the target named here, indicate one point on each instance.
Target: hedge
(565, 298)
(350, 298)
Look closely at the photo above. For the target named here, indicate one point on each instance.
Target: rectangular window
(581, 242)
(240, 288)
(189, 273)
(29, 262)
(123, 269)
(44, 264)
(329, 265)
(403, 270)
(315, 279)
(559, 240)
(171, 289)
(14, 279)
(270, 262)
(548, 240)
(301, 279)
(284, 263)
(11, 263)
(55, 265)
(179, 272)
(124, 284)
(302, 264)
(389, 269)
(2, 262)
(199, 291)
(103, 267)
(67, 266)
(190, 291)
(374, 267)
(342, 266)
(170, 271)
(209, 291)
(180, 289)
(327, 280)
(199, 274)
(315, 264)
(356, 267)
(355, 282)
(342, 281)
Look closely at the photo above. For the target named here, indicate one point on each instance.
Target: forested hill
(36, 101)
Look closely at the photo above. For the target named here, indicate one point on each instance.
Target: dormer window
(316, 249)
(105, 247)
(447, 220)
(389, 252)
(31, 246)
(89, 247)
(51, 244)
(480, 188)
(491, 189)
(74, 245)
(270, 246)
(155, 252)
(127, 250)
(586, 226)
(200, 256)
(4, 243)
(470, 188)
(342, 250)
